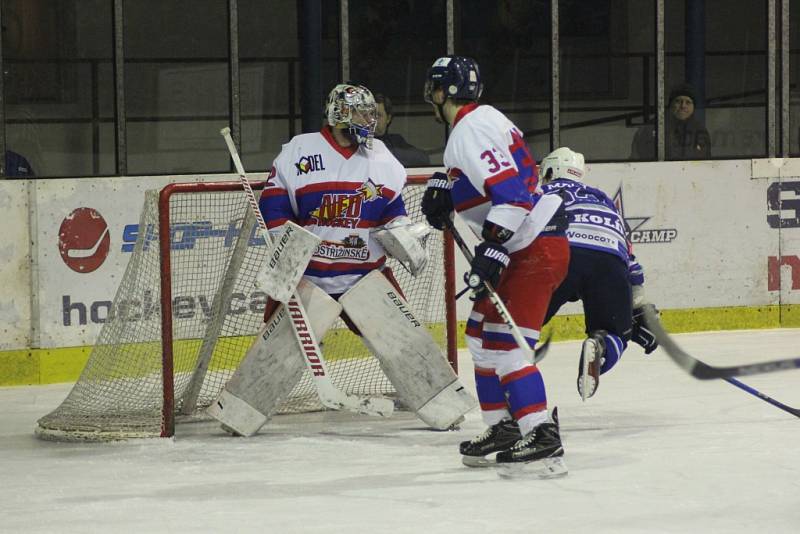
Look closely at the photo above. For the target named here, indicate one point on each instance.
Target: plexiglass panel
(58, 88)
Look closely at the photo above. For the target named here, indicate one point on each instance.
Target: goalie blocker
(408, 355)
(288, 259)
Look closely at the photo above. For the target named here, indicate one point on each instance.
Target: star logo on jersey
(308, 164)
(370, 191)
(634, 225)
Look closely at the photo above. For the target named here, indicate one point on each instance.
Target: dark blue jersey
(594, 221)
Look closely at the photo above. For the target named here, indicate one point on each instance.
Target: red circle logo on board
(84, 240)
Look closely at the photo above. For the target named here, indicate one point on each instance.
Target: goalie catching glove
(487, 266)
(405, 242)
(437, 203)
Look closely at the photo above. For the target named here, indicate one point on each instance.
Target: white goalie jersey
(341, 195)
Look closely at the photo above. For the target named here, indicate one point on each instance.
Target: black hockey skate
(539, 453)
(592, 353)
(496, 438)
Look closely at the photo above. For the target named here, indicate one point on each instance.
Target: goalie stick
(329, 395)
(530, 355)
(766, 398)
(703, 371)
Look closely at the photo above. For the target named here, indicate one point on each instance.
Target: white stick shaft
(237, 163)
(298, 314)
(505, 315)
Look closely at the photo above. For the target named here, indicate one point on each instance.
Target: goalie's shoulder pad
(404, 241)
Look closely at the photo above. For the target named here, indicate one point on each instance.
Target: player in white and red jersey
(341, 184)
(492, 182)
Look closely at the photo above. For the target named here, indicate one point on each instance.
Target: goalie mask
(562, 163)
(353, 107)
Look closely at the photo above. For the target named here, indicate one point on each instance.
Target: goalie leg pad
(272, 366)
(407, 353)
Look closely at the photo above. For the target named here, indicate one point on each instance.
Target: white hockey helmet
(564, 163)
(353, 107)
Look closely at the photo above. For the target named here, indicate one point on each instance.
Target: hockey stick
(702, 370)
(329, 395)
(766, 398)
(541, 350)
(462, 292)
(505, 315)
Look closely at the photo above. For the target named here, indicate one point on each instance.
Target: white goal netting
(137, 379)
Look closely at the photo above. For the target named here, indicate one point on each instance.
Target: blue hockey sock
(525, 391)
(490, 393)
(615, 346)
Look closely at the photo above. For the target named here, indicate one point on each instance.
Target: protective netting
(215, 255)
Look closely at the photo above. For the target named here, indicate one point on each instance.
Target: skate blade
(543, 469)
(587, 384)
(478, 461)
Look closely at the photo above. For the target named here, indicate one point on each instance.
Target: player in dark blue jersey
(603, 273)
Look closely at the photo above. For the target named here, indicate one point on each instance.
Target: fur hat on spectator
(682, 90)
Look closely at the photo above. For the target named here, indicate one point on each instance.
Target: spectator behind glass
(686, 137)
(409, 155)
(17, 166)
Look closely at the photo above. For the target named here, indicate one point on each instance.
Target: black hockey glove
(487, 265)
(437, 203)
(640, 333)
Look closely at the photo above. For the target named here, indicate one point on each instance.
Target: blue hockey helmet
(459, 76)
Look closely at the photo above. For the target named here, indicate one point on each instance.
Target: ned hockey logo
(638, 235)
(309, 164)
(343, 210)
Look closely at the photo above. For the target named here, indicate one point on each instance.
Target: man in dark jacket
(686, 137)
(408, 154)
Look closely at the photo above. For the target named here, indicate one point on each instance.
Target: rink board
(719, 241)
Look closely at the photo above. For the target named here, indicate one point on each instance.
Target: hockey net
(186, 311)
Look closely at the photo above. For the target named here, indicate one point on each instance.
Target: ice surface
(654, 451)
